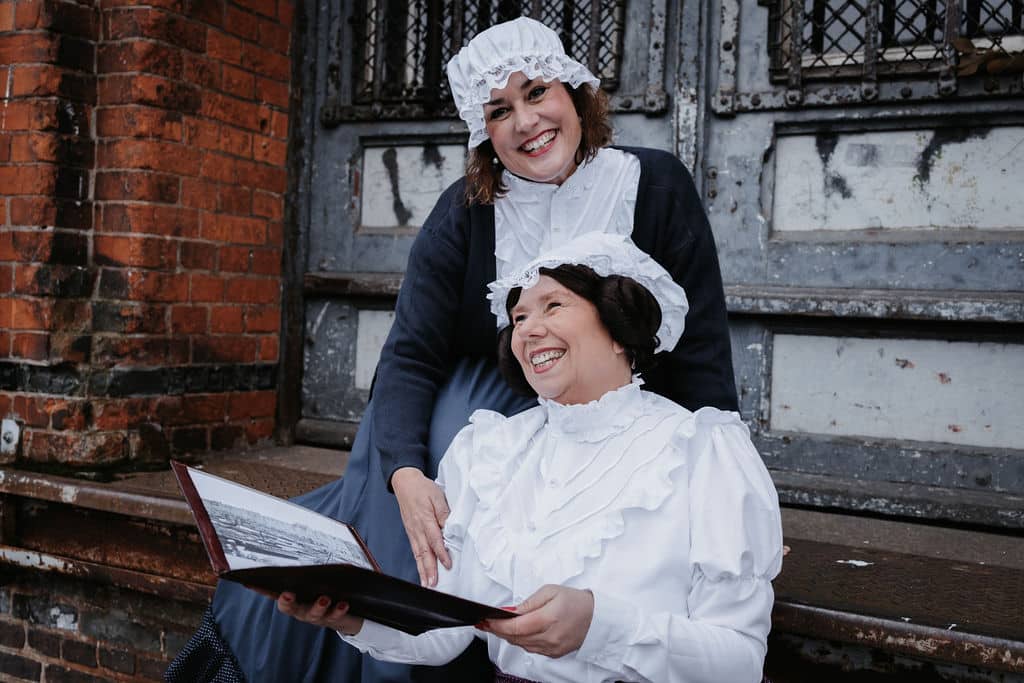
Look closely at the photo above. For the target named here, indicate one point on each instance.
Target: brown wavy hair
(483, 176)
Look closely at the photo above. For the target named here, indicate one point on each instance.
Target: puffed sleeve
(439, 646)
(720, 634)
(417, 354)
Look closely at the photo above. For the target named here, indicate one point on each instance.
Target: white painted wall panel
(401, 184)
(921, 390)
(370, 337)
(900, 180)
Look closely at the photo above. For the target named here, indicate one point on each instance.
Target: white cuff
(611, 632)
(373, 636)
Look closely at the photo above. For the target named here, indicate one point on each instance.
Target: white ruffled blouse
(668, 517)
(534, 217)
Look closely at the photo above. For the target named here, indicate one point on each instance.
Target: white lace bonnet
(606, 254)
(493, 55)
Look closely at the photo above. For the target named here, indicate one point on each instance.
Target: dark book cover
(265, 542)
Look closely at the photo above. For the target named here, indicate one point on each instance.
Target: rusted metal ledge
(899, 637)
(369, 285)
(153, 584)
(94, 496)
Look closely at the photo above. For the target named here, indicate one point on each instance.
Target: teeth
(539, 142)
(546, 356)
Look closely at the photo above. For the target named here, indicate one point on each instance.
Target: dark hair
(483, 176)
(629, 312)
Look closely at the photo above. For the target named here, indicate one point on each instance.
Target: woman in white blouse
(636, 539)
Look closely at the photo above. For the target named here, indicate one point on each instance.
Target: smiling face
(565, 351)
(534, 128)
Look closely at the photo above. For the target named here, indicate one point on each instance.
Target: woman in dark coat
(540, 172)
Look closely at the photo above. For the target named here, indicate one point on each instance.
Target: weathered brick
(56, 280)
(48, 80)
(286, 13)
(145, 22)
(189, 440)
(30, 346)
(199, 194)
(143, 252)
(234, 111)
(143, 285)
(272, 92)
(45, 211)
(235, 142)
(266, 261)
(67, 150)
(274, 36)
(252, 404)
(259, 430)
(117, 660)
(6, 278)
(110, 415)
(44, 611)
(31, 410)
(138, 121)
(59, 674)
(206, 11)
(234, 199)
(263, 319)
(227, 320)
(6, 18)
(238, 82)
(148, 351)
(267, 205)
(20, 667)
(146, 89)
(134, 185)
(219, 167)
(28, 179)
(140, 55)
(44, 642)
(279, 125)
(189, 319)
(235, 259)
(68, 414)
(198, 256)
(51, 246)
(31, 314)
(204, 408)
(79, 652)
(241, 23)
(224, 437)
(152, 669)
(234, 229)
(27, 47)
(206, 288)
(76, 448)
(150, 219)
(12, 634)
(224, 349)
(269, 150)
(221, 46)
(198, 70)
(31, 115)
(167, 157)
(267, 8)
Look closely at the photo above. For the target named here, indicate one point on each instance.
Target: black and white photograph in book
(258, 530)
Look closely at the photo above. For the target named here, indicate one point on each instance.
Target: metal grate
(402, 46)
(885, 38)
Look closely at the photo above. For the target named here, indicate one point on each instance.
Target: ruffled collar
(597, 420)
(582, 180)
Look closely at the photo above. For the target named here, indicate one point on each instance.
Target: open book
(265, 542)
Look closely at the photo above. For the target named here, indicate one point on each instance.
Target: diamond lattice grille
(403, 45)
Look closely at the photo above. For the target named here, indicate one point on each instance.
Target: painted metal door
(862, 167)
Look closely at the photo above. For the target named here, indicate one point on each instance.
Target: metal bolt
(727, 46)
(8, 437)
(906, 91)
(756, 100)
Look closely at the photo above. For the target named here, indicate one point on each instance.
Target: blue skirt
(243, 634)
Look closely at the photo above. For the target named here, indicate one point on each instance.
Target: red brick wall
(142, 174)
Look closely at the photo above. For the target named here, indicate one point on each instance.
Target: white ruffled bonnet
(493, 55)
(606, 254)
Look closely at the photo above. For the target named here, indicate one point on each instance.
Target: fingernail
(287, 597)
(508, 608)
(323, 602)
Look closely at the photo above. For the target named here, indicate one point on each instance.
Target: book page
(256, 529)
